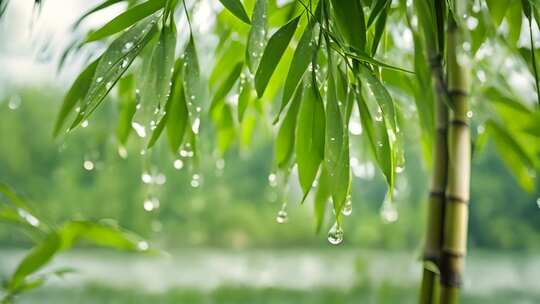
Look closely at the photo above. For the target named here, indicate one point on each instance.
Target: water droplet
(272, 180)
(151, 203)
(282, 216)
(14, 102)
(400, 169)
(195, 181)
(139, 129)
(160, 179)
(127, 46)
(32, 220)
(538, 202)
(347, 208)
(178, 164)
(469, 114)
(147, 178)
(220, 164)
(122, 152)
(388, 212)
(84, 123)
(99, 79)
(125, 63)
(198, 109)
(195, 126)
(88, 165)
(142, 245)
(335, 235)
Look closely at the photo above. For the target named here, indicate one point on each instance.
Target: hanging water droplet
(538, 202)
(84, 123)
(139, 129)
(88, 165)
(272, 180)
(400, 169)
(151, 203)
(142, 245)
(195, 181)
(282, 216)
(388, 212)
(220, 164)
(122, 152)
(335, 235)
(14, 102)
(347, 208)
(160, 179)
(146, 177)
(178, 164)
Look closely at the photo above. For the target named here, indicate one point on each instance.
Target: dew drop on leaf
(151, 204)
(88, 165)
(335, 235)
(146, 178)
(347, 208)
(178, 164)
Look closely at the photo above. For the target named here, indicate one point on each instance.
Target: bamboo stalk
(429, 293)
(457, 190)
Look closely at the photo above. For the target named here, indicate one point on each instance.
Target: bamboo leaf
(128, 104)
(351, 22)
(244, 97)
(310, 134)
(113, 63)
(222, 117)
(257, 35)
(126, 19)
(277, 44)
(381, 95)
(497, 10)
(226, 86)
(301, 60)
(322, 196)
(286, 135)
(378, 8)
(236, 8)
(38, 257)
(99, 234)
(379, 29)
(177, 114)
(192, 80)
(99, 7)
(362, 56)
(158, 69)
(77, 92)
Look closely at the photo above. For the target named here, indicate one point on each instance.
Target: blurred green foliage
(234, 207)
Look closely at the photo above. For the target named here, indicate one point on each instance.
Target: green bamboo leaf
(99, 7)
(226, 85)
(497, 10)
(336, 153)
(257, 35)
(382, 96)
(286, 135)
(351, 22)
(126, 19)
(322, 196)
(244, 97)
(379, 30)
(158, 69)
(310, 134)
(301, 60)
(77, 92)
(378, 7)
(236, 8)
(192, 80)
(277, 44)
(38, 257)
(177, 116)
(362, 56)
(127, 107)
(226, 133)
(99, 234)
(113, 63)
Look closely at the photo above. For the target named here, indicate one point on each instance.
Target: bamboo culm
(459, 157)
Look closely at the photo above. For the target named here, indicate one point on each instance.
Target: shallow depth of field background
(220, 241)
